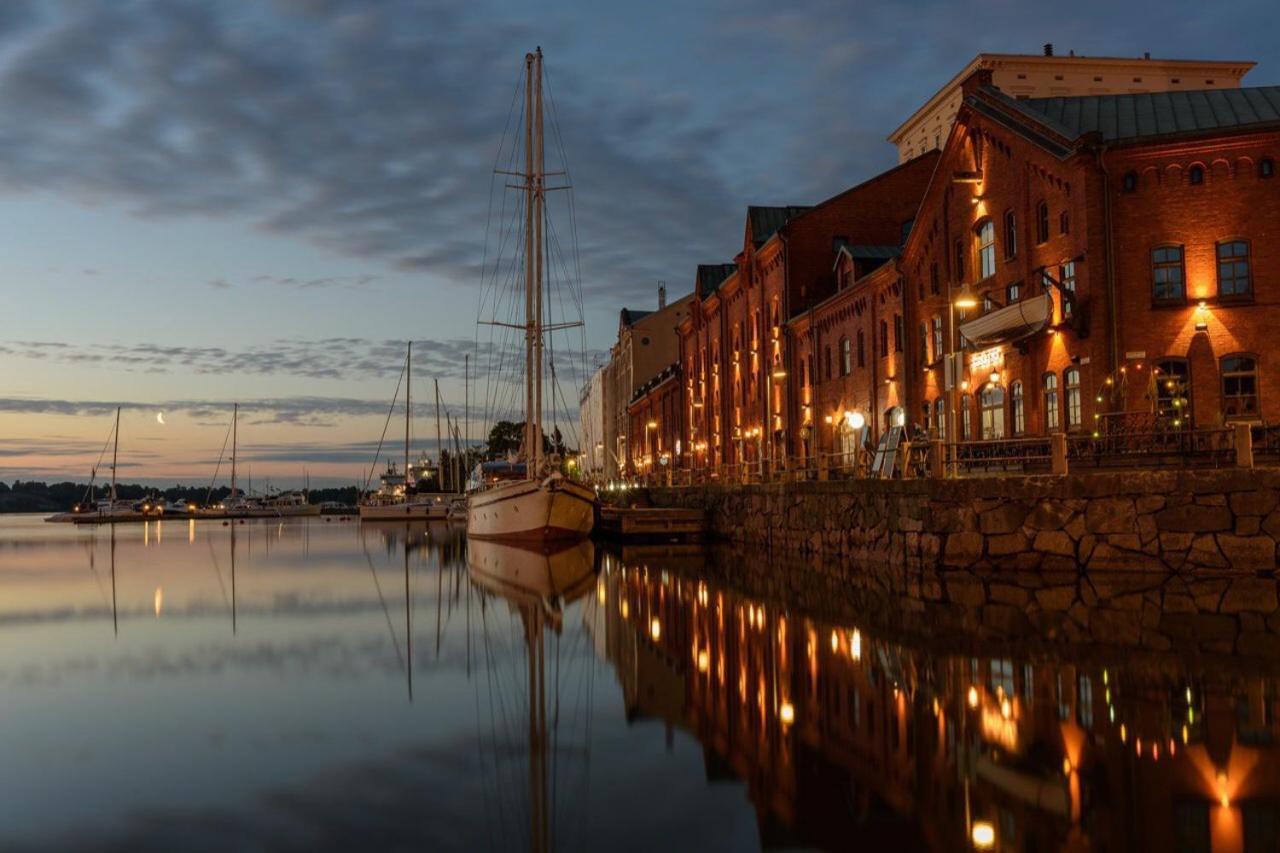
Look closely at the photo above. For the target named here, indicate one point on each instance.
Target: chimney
(662, 295)
(1048, 48)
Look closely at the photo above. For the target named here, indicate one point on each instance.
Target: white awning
(1011, 323)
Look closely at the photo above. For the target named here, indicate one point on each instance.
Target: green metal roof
(1148, 115)
(711, 276)
(765, 221)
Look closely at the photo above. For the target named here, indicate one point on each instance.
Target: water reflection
(341, 686)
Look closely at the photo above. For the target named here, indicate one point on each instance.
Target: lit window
(1019, 409)
(845, 366)
(940, 418)
(986, 249)
(1013, 293)
(1084, 702)
(1072, 383)
(1067, 278)
(1196, 175)
(1168, 278)
(1010, 234)
(937, 337)
(966, 431)
(1239, 386)
(1050, 402)
(1042, 223)
(1233, 268)
(992, 400)
(924, 343)
(1173, 391)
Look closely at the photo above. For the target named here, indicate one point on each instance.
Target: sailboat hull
(554, 509)
(403, 511)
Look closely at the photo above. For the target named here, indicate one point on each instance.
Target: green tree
(504, 438)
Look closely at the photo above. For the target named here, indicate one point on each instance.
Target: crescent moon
(160, 418)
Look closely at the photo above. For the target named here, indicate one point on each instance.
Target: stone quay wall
(1155, 520)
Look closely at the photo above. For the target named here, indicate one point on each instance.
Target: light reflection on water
(328, 685)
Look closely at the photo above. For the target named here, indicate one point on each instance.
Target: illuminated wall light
(655, 629)
(704, 661)
(1124, 734)
(1223, 794)
(835, 642)
(1066, 767)
(973, 697)
(855, 644)
(983, 835)
(1006, 709)
(787, 713)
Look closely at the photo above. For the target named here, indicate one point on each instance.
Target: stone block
(1049, 515)
(1006, 543)
(1110, 515)
(1176, 541)
(962, 549)
(1251, 553)
(1054, 542)
(1257, 595)
(1211, 500)
(1195, 519)
(1248, 525)
(1260, 502)
(1005, 517)
(1149, 503)
(966, 591)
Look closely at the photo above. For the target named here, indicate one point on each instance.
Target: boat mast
(439, 443)
(466, 414)
(540, 198)
(235, 418)
(115, 450)
(408, 381)
(530, 454)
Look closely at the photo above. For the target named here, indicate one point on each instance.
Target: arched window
(986, 236)
(992, 400)
(1129, 182)
(1173, 392)
(1233, 269)
(1019, 408)
(940, 418)
(862, 349)
(846, 359)
(1075, 417)
(1266, 167)
(1010, 234)
(1239, 386)
(1168, 276)
(1042, 222)
(1195, 175)
(1050, 385)
(966, 430)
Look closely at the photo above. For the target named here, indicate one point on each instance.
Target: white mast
(408, 380)
(540, 199)
(530, 323)
(439, 443)
(235, 418)
(114, 453)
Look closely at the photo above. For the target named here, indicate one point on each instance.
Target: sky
(262, 201)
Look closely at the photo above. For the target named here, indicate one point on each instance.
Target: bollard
(1058, 453)
(1244, 446)
(937, 464)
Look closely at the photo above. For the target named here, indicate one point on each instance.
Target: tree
(504, 438)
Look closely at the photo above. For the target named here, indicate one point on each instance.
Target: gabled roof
(868, 253)
(711, 276)
(630, 316)
(765, 221)
(1148, 115)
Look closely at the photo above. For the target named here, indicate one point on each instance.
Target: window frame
(1017, 400)
(1165, 266)
(1164, 398)
(1073, 399)
(1241, 296)
(1223, 376)
(1049, 396)
(883, 348)
(991, 428)
(1195, 175)
(985, 254)
(937, 337)
(1010, 241)
(846, 356)
(1068, 283)
(1042, 223)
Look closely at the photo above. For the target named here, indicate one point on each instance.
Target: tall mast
(408, 381)
(115, 450)
(466, 412)
(540, 199)
(439, 443)
(530, 321)
(235, 417)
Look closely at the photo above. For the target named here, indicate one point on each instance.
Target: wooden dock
(652, 522)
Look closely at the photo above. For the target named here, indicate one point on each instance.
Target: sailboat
(398, 498)
(239, 504)
(113, 508)
(543, 505)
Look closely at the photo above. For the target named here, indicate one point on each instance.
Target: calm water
(314, 685)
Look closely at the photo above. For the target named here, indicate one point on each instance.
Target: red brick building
(656, 423)
(1109, 261)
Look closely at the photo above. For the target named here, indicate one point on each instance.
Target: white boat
(543, 505)
(533, 577)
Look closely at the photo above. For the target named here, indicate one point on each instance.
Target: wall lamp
(1202, 317)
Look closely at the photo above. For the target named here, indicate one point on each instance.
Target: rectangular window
(1239, 386)
(940, 418)
(1233, 269)
(966, 431)
(845, 366)
(1010, 234)
(924, 343)
(1067, 278)
(897, 333)
(884, 339)
(1050, 402)
(986, 250)
(1042, 223)
(1019, 409)
(937, 338)
(992, 399)
(959, 260)
(1072, 382)
(1173, 391)
(1168, 277)
(1013, 293)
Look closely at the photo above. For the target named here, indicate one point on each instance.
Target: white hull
(532, 511)
(529, 577)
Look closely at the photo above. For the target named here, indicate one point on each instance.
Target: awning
(1011, 323)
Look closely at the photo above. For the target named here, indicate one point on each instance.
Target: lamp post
(964, 300)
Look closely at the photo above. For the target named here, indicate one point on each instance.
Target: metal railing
(1213, 447)
(1004, 455)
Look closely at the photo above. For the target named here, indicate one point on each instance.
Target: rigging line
(208, 495)
(571, 203)
(385, 425)
(395, 642)
(94, 471)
